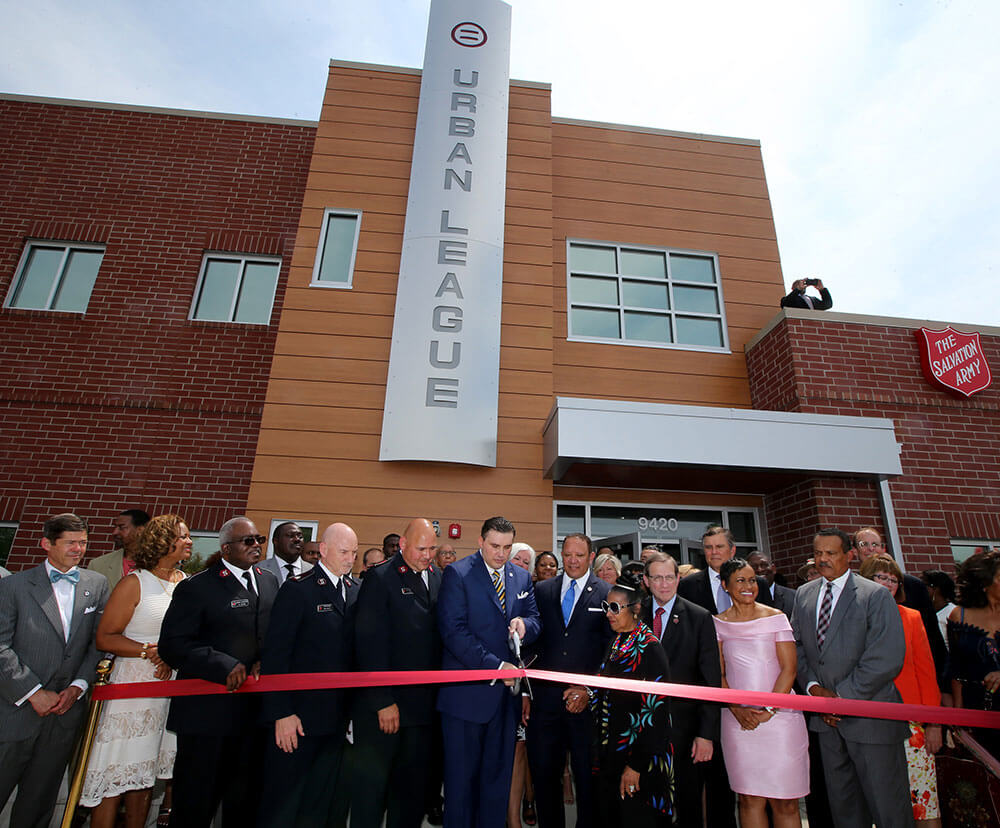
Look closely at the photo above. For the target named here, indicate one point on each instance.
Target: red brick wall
(950, 486)
(131, 404)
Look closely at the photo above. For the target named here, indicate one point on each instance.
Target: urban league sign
(444, 364)
(953, 360)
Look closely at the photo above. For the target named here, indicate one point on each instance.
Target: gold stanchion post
(80, 766)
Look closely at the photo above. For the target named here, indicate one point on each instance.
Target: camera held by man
(798, 298)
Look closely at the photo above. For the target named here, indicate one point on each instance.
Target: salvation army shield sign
(953, 360)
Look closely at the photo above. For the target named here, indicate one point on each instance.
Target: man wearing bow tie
(483, 600)
(48, 617)
(574, 637)
(687, 634)
(213, 630)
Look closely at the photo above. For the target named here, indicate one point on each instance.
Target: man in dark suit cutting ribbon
(483, 601)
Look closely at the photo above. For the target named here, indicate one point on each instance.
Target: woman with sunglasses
(634, 763)
(917, 684)
(132, 749)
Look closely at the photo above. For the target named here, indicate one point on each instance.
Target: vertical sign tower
(444, 366)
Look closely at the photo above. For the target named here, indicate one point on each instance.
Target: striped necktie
(501, 594)
(823, 624)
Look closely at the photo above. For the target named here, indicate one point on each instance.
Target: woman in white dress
(131, 748)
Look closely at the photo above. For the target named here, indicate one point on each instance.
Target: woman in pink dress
(766, 749)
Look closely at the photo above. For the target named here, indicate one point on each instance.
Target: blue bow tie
(73, 577)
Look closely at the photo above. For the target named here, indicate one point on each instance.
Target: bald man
(311, 631)
(396, 630)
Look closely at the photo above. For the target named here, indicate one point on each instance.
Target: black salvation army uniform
(396, 630)
(311, 631)
(213, 624)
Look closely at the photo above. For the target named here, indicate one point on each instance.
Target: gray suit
(784, 599)
(276, 567)
(864, 761)
(34, 750)
(109, 565)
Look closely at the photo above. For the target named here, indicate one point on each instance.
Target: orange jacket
(917, 681)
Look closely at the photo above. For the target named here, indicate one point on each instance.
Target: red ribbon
(956, 717)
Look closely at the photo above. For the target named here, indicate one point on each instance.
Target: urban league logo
(469, 34)
(953, 360)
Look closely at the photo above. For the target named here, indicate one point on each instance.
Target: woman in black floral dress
(974, 641)
(634, 763)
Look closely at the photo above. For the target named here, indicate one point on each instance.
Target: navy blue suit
(552, 730)
(311, 631)
(478, 720)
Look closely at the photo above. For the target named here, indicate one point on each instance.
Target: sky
(878, 119)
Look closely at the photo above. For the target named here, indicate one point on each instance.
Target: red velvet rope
(953, 716)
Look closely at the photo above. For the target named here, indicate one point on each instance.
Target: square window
(693, 330)
(645, 296)
(55, 276)
(647, 327)
(593, 322)
(337, 249)
(235, 288)
(594, 290)
(593, 259)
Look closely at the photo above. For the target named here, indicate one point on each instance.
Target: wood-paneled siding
(648, 188)
(317, 456)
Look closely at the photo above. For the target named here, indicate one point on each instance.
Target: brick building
(120, 230)
(947, 499)
(202, 311)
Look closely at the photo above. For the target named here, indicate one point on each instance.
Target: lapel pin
(677, 620)
(224, 572)
(321, 581)
(86, 594)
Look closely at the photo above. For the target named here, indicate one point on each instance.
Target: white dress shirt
(667, 609)
(581, 582)
(838, 589)
(65, 592)
(240, 573)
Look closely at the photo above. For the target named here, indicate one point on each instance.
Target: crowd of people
(504, 750)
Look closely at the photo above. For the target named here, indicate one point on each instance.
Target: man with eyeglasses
(687, 635)
(573, 639)
(868, 542)
(213, 630)
(287, 546)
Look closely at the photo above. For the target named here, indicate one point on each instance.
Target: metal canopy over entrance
(778, 446)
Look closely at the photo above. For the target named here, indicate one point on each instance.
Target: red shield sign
(953, 360)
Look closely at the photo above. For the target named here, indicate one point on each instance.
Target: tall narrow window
(645, 296)
(234, 288)
(55, 276)
(338, 247)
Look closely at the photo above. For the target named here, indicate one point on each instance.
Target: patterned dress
(132, 748)
(974, 653)
(634, 729)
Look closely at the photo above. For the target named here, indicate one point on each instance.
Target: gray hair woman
(608, 567)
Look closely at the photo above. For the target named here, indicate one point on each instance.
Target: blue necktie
(567, 602)
(73, 577)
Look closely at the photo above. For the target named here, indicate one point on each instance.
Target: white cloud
(877, 120)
